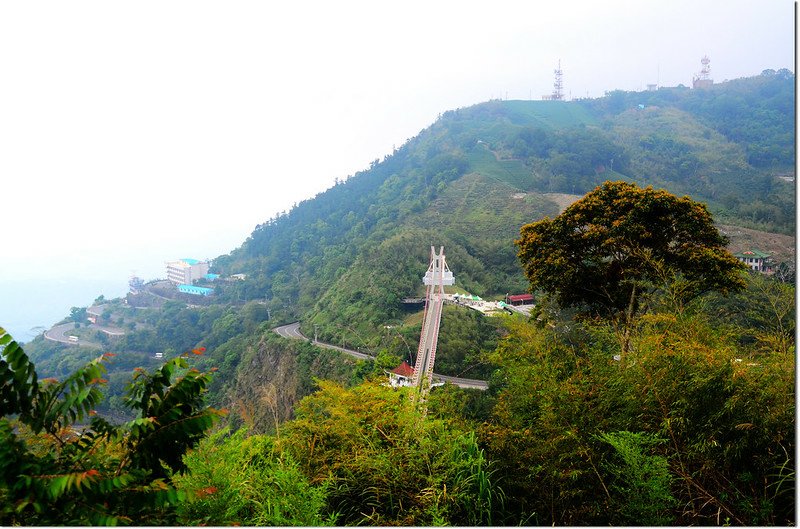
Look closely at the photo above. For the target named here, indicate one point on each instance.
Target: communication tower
(558, 85)
(703, 79)
(136, 285)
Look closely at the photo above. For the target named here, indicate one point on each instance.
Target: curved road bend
(292, 331)
(59, 334)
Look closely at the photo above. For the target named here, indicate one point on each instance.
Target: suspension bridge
(435, 279)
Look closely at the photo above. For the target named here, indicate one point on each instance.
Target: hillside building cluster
(183, 273)
(186, 271)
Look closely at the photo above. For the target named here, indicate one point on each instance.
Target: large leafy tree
(621, 242)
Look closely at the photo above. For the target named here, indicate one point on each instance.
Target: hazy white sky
(132, 133)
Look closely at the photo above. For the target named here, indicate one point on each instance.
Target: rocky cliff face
(276, 374)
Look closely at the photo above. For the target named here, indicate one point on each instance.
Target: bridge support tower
(437, 276)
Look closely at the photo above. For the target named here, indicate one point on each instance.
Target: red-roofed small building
(519, 299)
(401, 375)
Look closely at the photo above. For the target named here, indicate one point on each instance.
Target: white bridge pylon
(437, 276)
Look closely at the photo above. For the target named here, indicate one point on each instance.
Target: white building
(757, 261)
(401, 376)
(186, 271)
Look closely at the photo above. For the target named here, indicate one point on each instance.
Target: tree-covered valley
(672, 405)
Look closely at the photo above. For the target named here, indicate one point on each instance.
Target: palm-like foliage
(56, 469)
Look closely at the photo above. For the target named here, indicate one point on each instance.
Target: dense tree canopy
(385, 463)
(620, 241)
(697, 429)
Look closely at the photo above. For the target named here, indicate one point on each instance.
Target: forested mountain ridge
(473, 177)
(342, 261)
(682, 413)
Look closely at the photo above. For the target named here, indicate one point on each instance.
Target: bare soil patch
(780, 246)
(563, 200)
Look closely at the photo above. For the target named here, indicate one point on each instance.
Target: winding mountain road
(59, 334)
(292, 331)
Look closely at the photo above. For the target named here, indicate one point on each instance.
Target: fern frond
(19, 385)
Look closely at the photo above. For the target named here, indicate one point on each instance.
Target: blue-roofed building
(212, 277)
(186, 271)
(195, 291)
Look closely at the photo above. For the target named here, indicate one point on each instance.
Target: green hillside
(473, 177)
(680, 413)
(548, 114)
(511, 172)
(343, 259)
